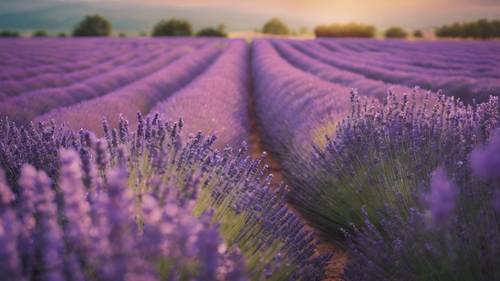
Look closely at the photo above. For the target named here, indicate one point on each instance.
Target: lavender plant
(96, 236)
(157, 206)
(453, 233)
(382, 153)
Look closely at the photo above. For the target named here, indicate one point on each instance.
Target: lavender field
(275, 159)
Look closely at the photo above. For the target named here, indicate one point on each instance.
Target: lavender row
(295, 109)
(73, 230)
(462, 54)
(139, 96)
(127, 213)
(26, 107)
(41, 51)
(435, 181)
(465, 88)
(134, 58)
(380, 154)
(137, 58)
(364, 86)
(15, 70)
(25, 58)
(451, 59)
(13, 88)
(216, 101)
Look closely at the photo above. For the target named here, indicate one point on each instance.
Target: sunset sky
(250, 13)
(383, 12)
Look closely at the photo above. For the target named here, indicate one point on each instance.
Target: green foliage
(94, 25)
(40, 33)
(122, 35)
(418, 34)
(345, 30)
(219, 31)
(8, 33)
(61, 35)
(172, 27)
(276, 27)
(395, 32)
(480, 29)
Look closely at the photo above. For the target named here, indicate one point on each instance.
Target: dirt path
(336, 265)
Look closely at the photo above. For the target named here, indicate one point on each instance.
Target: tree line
(96, 25)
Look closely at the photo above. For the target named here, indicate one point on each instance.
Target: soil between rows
(335, 268)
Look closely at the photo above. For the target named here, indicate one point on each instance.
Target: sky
(379, 12)
(249, 14)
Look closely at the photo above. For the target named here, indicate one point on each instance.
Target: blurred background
(301, 18)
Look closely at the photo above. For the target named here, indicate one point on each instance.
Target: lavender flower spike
(10, 267)
(485, 161)
(442, 197)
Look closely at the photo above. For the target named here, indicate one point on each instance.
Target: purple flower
(485, 161)
(48, 237)
(76, 206)
(6, 195)
(10, 267)
(442, 196)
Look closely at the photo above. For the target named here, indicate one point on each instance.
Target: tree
(94, 25)
(353, 29)
(173, 27)
(219, 31)
(7, 33)
(480, 29)
(61, 35)
(395, 32)
(40, 33)
(418, 34)
(276, 27)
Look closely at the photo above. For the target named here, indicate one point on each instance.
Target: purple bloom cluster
(486, 161)
(381, 154)
(144, 205)
(453, 235)
(101, 239)
(442, 197)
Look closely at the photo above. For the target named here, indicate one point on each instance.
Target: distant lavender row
(455, 53)
(27, 106)
(475, 60)
(216, 101)
(11, 88)
(26, 58)
(467, 88)
(364, 86)
(17, 70)
(139, 96)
